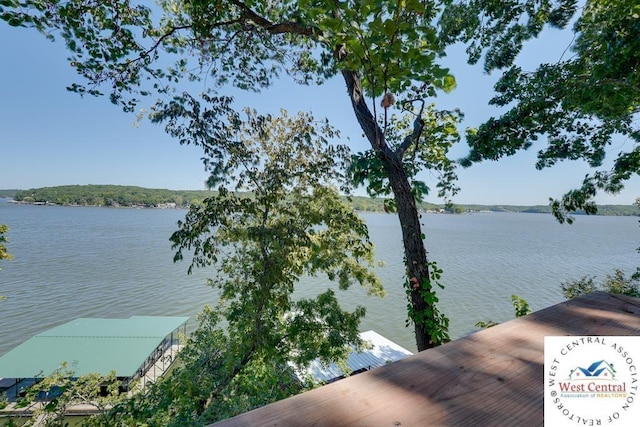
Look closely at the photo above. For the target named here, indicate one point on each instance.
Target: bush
(616, 283)
(575, 288)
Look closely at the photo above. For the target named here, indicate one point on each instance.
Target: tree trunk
(414, 251)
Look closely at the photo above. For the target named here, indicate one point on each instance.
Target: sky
(50, 137)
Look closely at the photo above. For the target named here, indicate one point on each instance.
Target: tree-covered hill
(110, 195)
(8, 193)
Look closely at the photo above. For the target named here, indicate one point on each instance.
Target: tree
(579, 104)
(382, 51)
(283, 220)
(273, 220)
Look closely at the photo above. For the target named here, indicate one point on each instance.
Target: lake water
(98, 262)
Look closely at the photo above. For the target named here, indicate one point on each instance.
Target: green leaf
(389, 28)
(449, 83)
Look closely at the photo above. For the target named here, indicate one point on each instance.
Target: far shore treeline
(132, 196)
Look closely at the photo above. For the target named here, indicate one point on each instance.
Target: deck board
(490, 378)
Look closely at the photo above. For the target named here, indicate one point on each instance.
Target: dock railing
(494, 377)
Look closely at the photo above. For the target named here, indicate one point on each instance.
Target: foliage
(276, 217)
(368, 168)
(499, 29)
(4, 254)
(581, 105)
(52, 397)
(384, 51)
(582, 286)
(437, 323)
(294, 224)
(244, 44)
(520, 305)
(204, 386)
(454, 208)
(485, 324)
(616, 283)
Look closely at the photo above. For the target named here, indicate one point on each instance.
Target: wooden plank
(493, 377)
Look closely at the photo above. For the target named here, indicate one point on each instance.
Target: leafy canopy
(121, 47)
(275, 219)
(440, 127)
(581, 104)
(288, 167)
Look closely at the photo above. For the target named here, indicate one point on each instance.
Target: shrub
(616, 283)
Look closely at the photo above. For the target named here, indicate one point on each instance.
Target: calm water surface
(97, 262)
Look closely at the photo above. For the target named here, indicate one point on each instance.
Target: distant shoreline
(49, 204)
(117, 196)
(500, 209)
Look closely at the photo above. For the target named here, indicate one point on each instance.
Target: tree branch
(414, 138)
(161, 38)
(285, 27)
(365, 118)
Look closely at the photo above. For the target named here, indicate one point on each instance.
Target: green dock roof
(90, 345)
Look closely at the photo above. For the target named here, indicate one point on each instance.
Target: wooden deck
(491, 378)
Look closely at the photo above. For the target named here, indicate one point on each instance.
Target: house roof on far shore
(90, 345)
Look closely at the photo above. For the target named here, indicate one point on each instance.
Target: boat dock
(138, 350)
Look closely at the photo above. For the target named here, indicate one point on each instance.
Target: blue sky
(49, 136)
